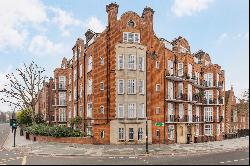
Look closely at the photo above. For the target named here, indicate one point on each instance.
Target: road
(17, 158)
(228, 158)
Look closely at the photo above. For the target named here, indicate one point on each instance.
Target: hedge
(54, 131)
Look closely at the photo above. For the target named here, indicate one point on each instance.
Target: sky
(45, 31)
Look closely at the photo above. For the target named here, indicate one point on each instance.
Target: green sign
(159, 124)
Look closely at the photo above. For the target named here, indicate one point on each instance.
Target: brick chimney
(112, 10)
(147, 16)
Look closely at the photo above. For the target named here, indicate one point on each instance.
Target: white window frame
(62, 82)
(120, 62)
(120, 111)
(121, 86)
(102, 86)
(181, 111)
(141, 63)
(140, 134)
(180, 89)
(190, 113)
(141, 87)
(90, 63)
(170, 111)
(90, 86)
(171, 132)
(131, 62)
(89, 110)
(131, 110)
(208, 129)
(208, 95)
(62, 114)
(170, 67)
(190, 93)
(157, 87)
(133, 134)
(190, 70)
(121, 134)
(180, 69)
(170, 90)
(131, 37)
(131, 86)
(141, 110)
(208, 114)
(157, 110)
(209, 79)
(62, 98)
(102, 134)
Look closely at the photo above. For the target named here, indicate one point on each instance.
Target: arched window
(131, 24)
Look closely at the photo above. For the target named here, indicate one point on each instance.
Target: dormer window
(131, 24)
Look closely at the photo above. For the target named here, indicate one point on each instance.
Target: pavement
(65, 149)
(5, 129)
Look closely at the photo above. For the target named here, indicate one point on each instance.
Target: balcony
(192, 79)
(202, 85)
(173, 77)
(208, 102)
(185, 119)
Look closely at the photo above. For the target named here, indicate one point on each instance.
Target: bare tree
(22, 90)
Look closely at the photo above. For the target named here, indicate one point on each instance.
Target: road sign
(159, 124)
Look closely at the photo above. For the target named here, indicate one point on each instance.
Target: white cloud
(222, 38)
(94, 24)
(189, 7)
(14, 15)
(64, 19)
(41, 45)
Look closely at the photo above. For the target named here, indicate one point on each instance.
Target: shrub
(54, 131)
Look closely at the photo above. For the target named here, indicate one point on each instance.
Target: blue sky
(45, 31)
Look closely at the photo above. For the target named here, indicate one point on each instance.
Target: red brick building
(126, 77)
(45, 101)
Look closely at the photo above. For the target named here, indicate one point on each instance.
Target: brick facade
(179, 85)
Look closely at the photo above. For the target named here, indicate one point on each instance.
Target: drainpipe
(146, 103)
(84, 97)
(164, 97)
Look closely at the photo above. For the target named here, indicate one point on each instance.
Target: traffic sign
(159, 124)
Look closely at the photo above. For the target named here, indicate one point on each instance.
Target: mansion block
(127, 83)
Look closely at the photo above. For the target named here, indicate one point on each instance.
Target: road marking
(236, 160)
(24, 160)
(121, 157)
(132, 157)
(222, 162)
(242, 159)
(229, 161)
